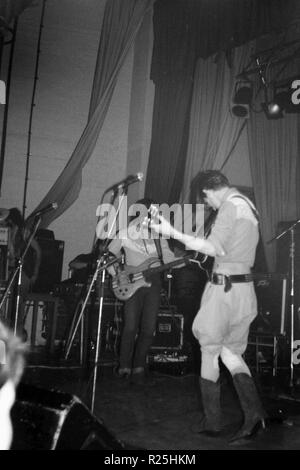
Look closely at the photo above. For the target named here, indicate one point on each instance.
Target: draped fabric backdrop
(213, 129)
(119, 28)
(274, 159)
(173, 62)
(192, 126)
(185, 31)
(10, 9)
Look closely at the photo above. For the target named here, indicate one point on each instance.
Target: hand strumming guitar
(158, 224)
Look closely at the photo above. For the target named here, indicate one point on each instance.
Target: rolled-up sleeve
(222, 229)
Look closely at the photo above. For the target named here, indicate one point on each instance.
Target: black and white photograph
(150, 227)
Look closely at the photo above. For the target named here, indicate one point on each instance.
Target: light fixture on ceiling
(242, 97)
(272, 110)
(283, 94)
(273, 107)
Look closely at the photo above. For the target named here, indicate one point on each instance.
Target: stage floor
(163, 413)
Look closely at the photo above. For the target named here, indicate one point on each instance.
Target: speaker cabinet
(271, 293)
(51, 420)
(169, 331)
(51, 265)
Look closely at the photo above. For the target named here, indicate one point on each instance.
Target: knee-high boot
(210, 393)
(254, 414)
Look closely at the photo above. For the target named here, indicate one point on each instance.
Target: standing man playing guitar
(142, 306)
(228, 304)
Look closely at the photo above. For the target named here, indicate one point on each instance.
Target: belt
(222, 279)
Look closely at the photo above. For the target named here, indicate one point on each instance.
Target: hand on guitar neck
(158, 224)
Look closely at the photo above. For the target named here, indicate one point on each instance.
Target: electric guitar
(129, 279)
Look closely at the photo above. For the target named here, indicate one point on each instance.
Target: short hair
(15, 217)
(12, 356)
(210, 179)
(147, 202)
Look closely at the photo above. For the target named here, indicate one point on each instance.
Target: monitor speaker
(51, 265)
(52, 420)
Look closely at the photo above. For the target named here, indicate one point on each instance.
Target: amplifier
(169, 331)
(271, 293)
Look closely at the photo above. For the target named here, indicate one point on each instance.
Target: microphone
(45, 209)
(126, 182)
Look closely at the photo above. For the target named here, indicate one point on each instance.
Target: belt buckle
(217, 278)
(222, 279)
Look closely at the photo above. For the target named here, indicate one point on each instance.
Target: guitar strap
(159, 250)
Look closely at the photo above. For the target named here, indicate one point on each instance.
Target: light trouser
(222, 327)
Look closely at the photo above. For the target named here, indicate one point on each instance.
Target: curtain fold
(10, 9)
(120, 25)
(274, 160)
(169, 139)
(213, 129)
(184, 31)
(172, 70)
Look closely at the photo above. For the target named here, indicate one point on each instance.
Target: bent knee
(230, 359)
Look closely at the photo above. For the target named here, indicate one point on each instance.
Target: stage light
(242, 98)
(272, 110)
(284, 98)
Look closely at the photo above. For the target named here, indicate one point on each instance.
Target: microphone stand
(18, 271)
(291, 230)
(102, 265)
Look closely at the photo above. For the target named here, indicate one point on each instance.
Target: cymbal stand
(291, 230)
(18, 272)
(102, 265)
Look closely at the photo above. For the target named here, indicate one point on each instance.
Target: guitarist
(228, 304)
(140, 310)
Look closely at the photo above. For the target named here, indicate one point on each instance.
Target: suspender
(158, 249)
(250, 204)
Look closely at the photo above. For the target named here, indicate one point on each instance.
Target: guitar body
(131, 278)
(124, 287)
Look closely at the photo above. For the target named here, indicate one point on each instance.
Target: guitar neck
(163, 267)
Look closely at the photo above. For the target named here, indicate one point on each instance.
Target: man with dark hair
(228, 304)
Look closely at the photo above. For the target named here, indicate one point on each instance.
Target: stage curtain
(274, 159)
(121, 23)
(184, 31)
(213, 129)
(10, 9)
(172, 70)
